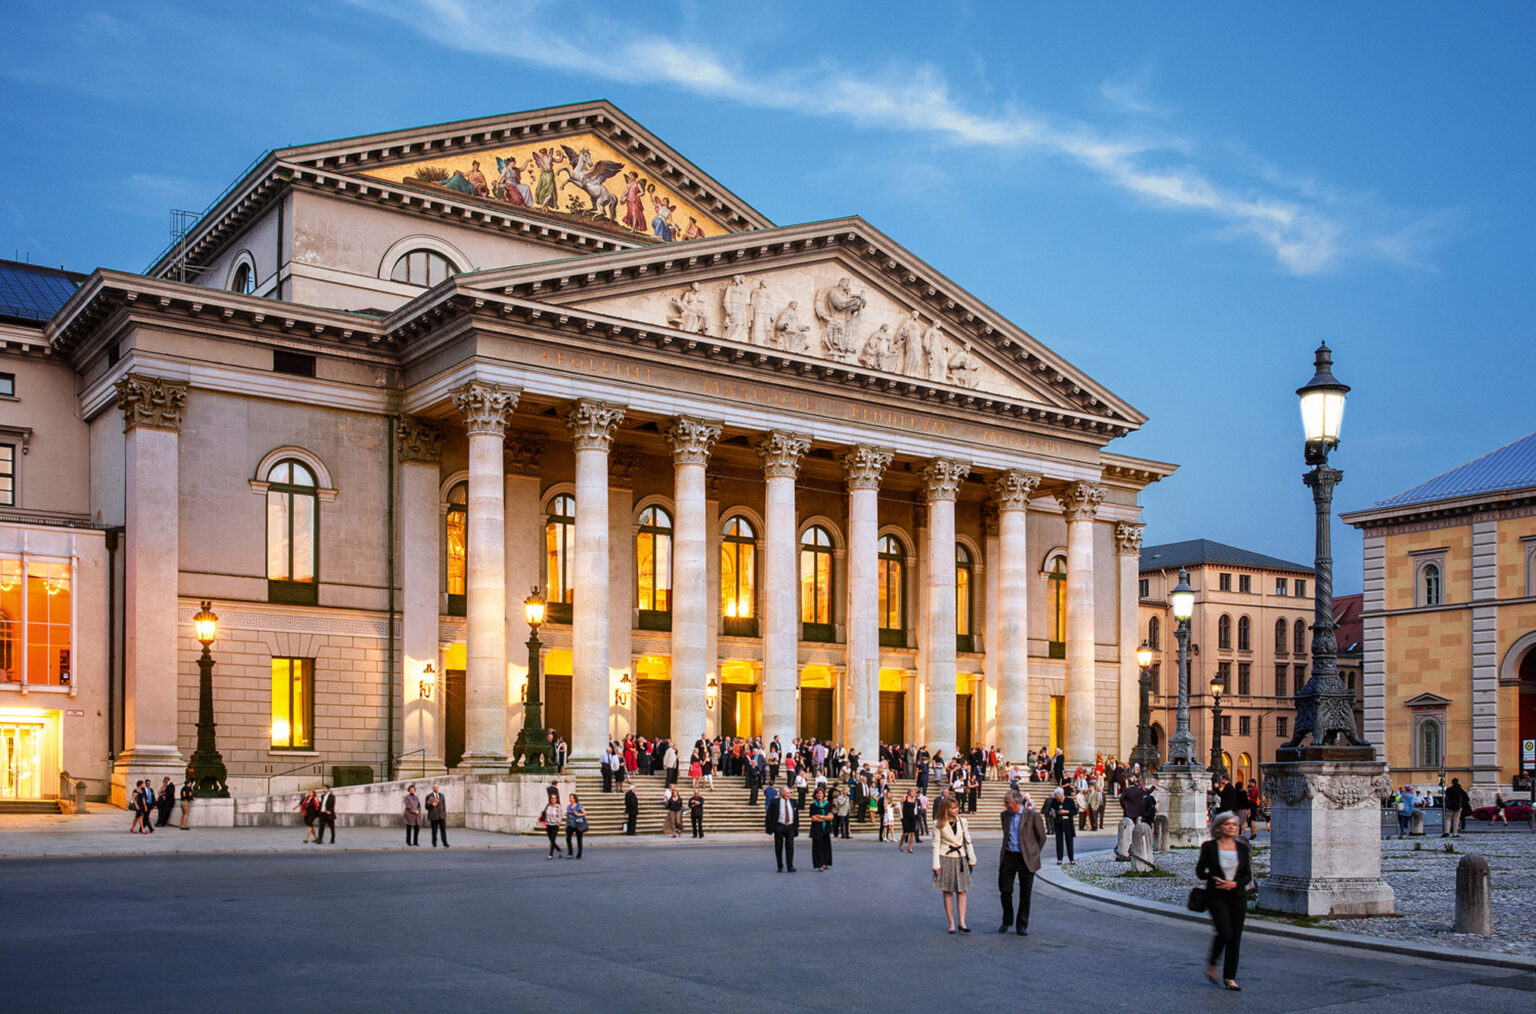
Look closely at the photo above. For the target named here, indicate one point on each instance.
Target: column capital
(691, 439)
(592, 423)
(781, 453)
(863, 466)
(942, 477)
(1128, 538)
(622, 466)
(486, 408)
(1080, 501)
(523, 454)
(418, 441)
(151, 402)
(1012, 489)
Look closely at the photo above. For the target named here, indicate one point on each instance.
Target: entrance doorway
(21, 761)
(653, 708)
(453, 726)
(816, 713)
(1058, 722)
(964, 719)
(893, 716)
(741, 711)
(557, 705)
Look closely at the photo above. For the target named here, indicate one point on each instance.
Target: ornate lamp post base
(1325, 854)
(1186, 786)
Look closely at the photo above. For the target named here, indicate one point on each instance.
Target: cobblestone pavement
(1422, 875)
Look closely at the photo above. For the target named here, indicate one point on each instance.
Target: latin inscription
(757, 395)
(1021, 442)
(899, 420)
(596, 365)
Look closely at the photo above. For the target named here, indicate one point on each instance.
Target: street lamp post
(533, 741)
(206, 770)
(1181, 745)
(1218, 766)
(1144, 755)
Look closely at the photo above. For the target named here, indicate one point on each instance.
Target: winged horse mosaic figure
(590, 177)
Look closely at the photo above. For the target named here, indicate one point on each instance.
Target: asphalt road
(693, 926)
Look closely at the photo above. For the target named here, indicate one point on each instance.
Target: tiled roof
(1198, 551)
(1351, 628)
(33, 293)
(1512, 466)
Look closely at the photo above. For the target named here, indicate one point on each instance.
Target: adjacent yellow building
(1450, 622)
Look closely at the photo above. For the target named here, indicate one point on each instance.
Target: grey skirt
(954, 874)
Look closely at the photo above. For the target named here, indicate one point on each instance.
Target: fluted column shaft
(1012, 491)
(691, 440)
(419, 448)
(941, 481)
(1080, 504)
(486, 409)
(863, 467)
(781, 454)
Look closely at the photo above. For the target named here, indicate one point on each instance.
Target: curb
(1070, 884)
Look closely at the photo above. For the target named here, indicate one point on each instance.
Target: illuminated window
(738, 577)
(1244, 634)
(422, 267)
(293, 703)
(1282, 634)
(35, 607)
(456, 536)
(559, 540)
(816, 584)
(1058, 629)
(292, 517)
(653, 568)
(964, 584)
(1155, 634)
(1224, 632)
(892, 563)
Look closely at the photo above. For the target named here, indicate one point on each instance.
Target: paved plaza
(680, 925)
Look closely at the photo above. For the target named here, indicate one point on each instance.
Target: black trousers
(439, 827)
(821, 851)
(607, 778)
(553, 830)
(629, 822)
(568, 832)
(1065, 833)
(324, 821)
(784, 848)
(696, 818)
(1013, 867)
(413, 834)
(1228, 910)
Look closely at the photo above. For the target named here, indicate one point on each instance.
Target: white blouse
(1228, 861)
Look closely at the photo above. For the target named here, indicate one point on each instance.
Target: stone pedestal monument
(1186, 787)
(1325, 838)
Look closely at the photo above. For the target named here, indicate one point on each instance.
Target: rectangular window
(7, 385)
(1244, 583)
(35, 622)
(1156, 675)
(7, 475)
(1224, 582)
(1281, 672)
(1244, 725)
(1224, 673)
(1226, 725)
(293, 362)
(1144, 588)
(293, 703)
(1282, 727)
(1280, 586)
(1244, 679)
(1301, 588)
(1298, 678)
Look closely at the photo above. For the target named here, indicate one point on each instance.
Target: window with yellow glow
(456, 523)
(1058, 576)
(653, 560)
(892, 574)
(292, 518)
(559, 535)
(293, 705)
(35, 603)
(964, 572)
(738, 569)
(816, 576)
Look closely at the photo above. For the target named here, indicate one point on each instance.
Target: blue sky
(1180, 199)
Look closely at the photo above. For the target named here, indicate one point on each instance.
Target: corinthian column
(419, 447)
(941, 484)
(863, 466)
(781, 453)
(1080, 503)
(1128, 550)
(691, 440)
(1011, 492)
(591, 424)
(486, 409)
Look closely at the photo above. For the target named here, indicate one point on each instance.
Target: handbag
(581, 824)
(1196, 901)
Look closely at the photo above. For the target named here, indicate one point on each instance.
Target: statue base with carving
(1184, 787)
(1325, 842)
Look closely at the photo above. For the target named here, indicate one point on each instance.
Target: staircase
(12, 806)
(727, 808)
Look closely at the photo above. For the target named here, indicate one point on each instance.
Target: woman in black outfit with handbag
(1225, 867)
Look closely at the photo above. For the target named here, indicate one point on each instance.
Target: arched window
(893, 592)
(456, 537)
(1244, 634)
(964, 584)
(1282, 636)
(243, 280)
(1058, 576)
(292, 547)
(1299, 637)
(1429, 744)
(422, 267)
(1224, 632)
(559, 561)
(1431, 581)
(816, 584)
(653, 568)
(1155, 634)
(738, 577)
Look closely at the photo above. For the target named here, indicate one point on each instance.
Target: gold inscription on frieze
(1021, 442)
(899, 420)
(757, 395)
(596, 365)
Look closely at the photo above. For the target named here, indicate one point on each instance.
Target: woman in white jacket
(953, 859)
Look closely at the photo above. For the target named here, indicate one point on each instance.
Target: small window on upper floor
(1429, 584)
(1224, 582)
(422, 267)
(7, 385)
(1144, 588)
(1281, 586)
(1301, 588)
(243, 280)
(1244, 583)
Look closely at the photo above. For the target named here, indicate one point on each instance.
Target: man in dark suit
(327, 814)
(1023, 837)
(437, 815)
(922, 775)
(1130, 799)
(786, 825)
(769, 795)
(631, 809)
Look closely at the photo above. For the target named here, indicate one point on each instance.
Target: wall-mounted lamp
(428, 681)
(621, 695)
(711, 691)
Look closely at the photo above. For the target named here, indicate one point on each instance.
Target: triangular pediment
(839, 292)
(1427, 700)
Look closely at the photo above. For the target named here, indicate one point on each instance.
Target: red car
(1516, 812)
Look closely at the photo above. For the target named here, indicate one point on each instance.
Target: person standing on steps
(696, 814)
(785, 819)
(1061, 809)
(1023, 838)
(575, 823)
(631, 810)
(412, 815)
(953, 860)
(669, 764)
(605, 767)
(437, 815)
(1224, 865)
(821, 831)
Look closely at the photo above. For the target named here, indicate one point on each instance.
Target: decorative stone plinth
(149, 763)
(1325, 838)
(1185, 786)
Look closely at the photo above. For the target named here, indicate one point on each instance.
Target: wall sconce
(711, 691)
(428, 681)
(621, 695)
(522, 694)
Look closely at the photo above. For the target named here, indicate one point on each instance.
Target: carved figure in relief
(513, 189)
(878, 353)
(934, 359)
(688, 311)
(909, 345)
(735, 301)
(964, 370)
(590, 176)
(790, 333)
(761, 331)
(838, 308)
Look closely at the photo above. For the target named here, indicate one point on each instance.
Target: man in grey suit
(1023, 837)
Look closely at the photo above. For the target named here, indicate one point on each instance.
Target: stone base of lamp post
(1325, 842)
(145, 763)
(1184, 786)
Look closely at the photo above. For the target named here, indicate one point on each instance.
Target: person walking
(1023, 838)
(821, 830)
(325, 815)
(575, 824)
(1061, 809)
(631, 810)
(412, 817)
(953, 859)
(908, 822)
(696, 814)
(550, 818)
(437, 815)
(186, 802)
(309, 809)
(1224, 866)
(136, 804)
(784, 822)
(1405, 801)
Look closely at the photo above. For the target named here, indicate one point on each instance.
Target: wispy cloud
(1306, 228)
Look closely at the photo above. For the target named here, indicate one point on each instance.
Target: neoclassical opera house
(778, 480)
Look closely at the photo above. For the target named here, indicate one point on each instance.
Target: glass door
(21, 761)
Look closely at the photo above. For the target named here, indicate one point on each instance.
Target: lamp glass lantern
(1182, 598)
(428, 681)
(621, 695)
(206, 624)
(1217, 687)
(533, 609)
(1322, 402)
(711, 691)
(1143, 656)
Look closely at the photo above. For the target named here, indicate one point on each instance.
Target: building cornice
(1517, 502)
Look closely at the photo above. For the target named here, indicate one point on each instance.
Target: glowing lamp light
(1182, 598)
(1143, 655)
(428, 681)
(1322, 402)
(533, 608)
(621, 695)
(711, 692)
(206, 624)
(1217, 687)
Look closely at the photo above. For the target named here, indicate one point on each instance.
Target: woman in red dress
(631, 762)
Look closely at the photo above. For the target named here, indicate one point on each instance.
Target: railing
(71, 793)
(400, 763)
(314, 764)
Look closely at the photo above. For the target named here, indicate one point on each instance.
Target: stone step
(30, 806)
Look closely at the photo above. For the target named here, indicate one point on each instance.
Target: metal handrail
(278, 774)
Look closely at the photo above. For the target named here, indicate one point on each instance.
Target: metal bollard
(1474, 896)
